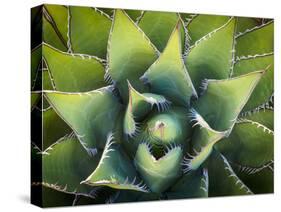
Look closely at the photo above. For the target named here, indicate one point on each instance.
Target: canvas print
(131, 105)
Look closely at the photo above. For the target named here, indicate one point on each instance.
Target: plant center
(164, 128)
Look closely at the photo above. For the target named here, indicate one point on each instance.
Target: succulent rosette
(141, 105)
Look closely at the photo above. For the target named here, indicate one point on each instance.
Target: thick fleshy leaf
(168, 75)
(245, 23)
(43, 80)
(95, 27)
(159, 174)
(259, 40)
(45, 104)
(59, 16)
(35, 97)
(138, 106)
(73, 73)
(36, 57)
(211, 56)
(47, 126)
(222, 179)
(249, 144)
(49, 197)
(263, 116)
(203, 24)
(101, 195)
(224, 99)
(186, 17)
(260, 181)
(265, 87)
(115, 170)
(50, 35)
(107, 11)
(47, 82)
(53, 128)
(134, 14)
(130, 53)
(192, 185)
(162, 130)
(158, 26)
(166, 128)
(203, 140)
(65, 164)
(90, 114)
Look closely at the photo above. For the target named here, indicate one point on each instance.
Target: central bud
(164, 128)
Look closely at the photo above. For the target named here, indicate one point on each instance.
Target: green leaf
(259, 40)
(65, 164)
(53, 128)
(138, 106)
(260, 181)
(106, 11)
(90, 114)
(203, 24)
(263, 116)
(158, 26)
(222, 179)
(115, 170)
(130, 53)
(211, 56)
(59, 16)
(265, 87)
(168, 75)
(192, 185)
(167, 128)
(244, 23)
(101, 195)
(203, 140)
(36, 58)
(250, 143)
(49, 197)
(43, 79)
(47, 82)
(134, 14)
(224, 99)
(186, 17)
(35, 97)
(95, 27)
(73, 73)
(50, 35)
(159, 174)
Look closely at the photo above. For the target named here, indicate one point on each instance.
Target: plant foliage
(132, 105)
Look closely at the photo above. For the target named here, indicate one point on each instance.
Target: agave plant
(132, 105)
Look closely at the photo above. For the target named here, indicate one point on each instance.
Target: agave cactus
(132, 105)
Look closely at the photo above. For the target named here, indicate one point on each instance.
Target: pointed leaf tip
(128, 37)
(168, 76)
(84, 114)
(223, 100)
(115, 169)
(211, 56)
(158, 174)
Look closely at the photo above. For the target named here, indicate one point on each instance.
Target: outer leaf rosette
(137, 105)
